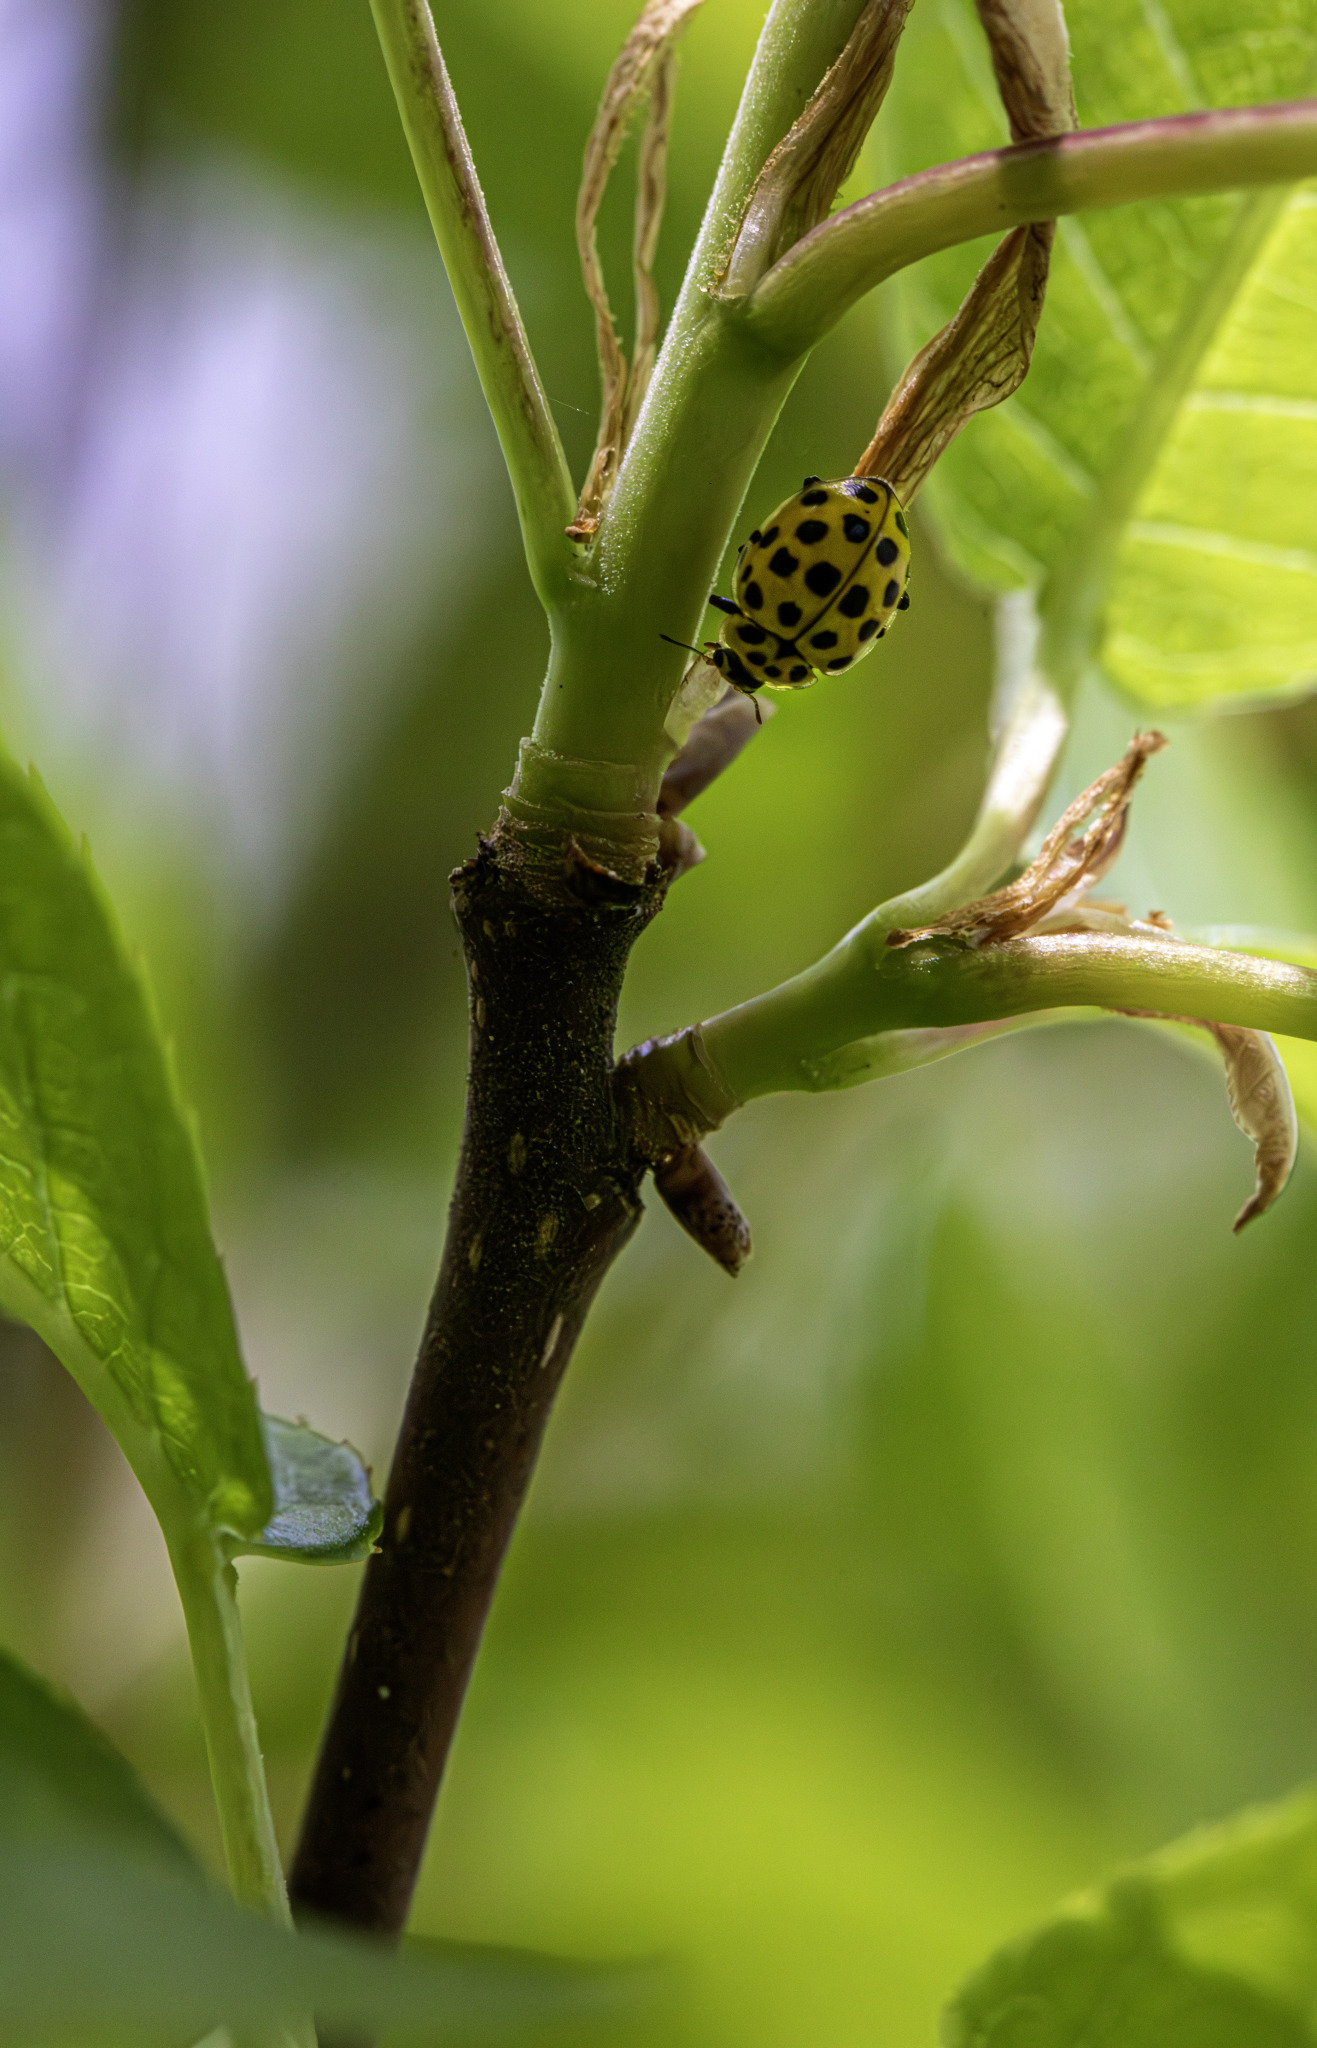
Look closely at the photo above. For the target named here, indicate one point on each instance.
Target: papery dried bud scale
(1031, 58)
(983, 353)
(644, 69)
(800, 181)
(1078, 850)
(1262, 1104)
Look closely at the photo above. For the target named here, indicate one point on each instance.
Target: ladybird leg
(725, 604)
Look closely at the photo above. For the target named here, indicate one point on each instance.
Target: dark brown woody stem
(547, 1195)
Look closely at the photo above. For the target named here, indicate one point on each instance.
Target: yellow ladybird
(816, 587)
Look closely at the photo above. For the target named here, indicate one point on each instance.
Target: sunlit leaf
(105, 1246)
(1167, 433)
(1210, 1944)
(324, 1510)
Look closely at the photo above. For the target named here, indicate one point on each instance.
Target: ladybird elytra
(817, 585)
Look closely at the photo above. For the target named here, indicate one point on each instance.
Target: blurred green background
(968, 1543)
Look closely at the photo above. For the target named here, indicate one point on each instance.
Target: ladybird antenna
(681, 643)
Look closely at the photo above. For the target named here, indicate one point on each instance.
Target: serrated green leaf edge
(324, 1509)
(105, 1246)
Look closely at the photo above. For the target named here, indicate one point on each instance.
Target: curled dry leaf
(705, 1206)
(1257, 1085)
(644, 69)
(678, 849)
(983, 354)
(1031, 57)
(1262, 1105)
(1078, 850)
(798, 185)
(712, 744)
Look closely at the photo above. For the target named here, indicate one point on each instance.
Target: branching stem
(773, 1042)
(806, 293)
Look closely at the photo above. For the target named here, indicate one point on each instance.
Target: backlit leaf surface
(1210, 1944)
(105, 1245)
(1171, 411)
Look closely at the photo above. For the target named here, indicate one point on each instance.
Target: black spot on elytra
(841, 661)
(766, 539)
(784, 563)
(855, 602)
(799, 674)
(854, 527)
(755, 538)
(815, 498)
(753, 596)
(867, 630)
(788, 614)
(904, 605)
(887, 551)
(890, 595)
(811, 480)
(811, 531)
(854, 488)
(900, 520)
(753, 635)
(822, 639)
(747, 572)
(772, 671)
(822, 579)
(757, 659)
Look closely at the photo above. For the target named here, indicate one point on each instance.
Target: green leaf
(99, 1949)
(110, 1931)
(324, 1510)
(1210, 1944)
(1157, 474)
(105, 1245)
(60, 1779)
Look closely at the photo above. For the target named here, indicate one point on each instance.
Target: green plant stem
(710, 407)
(537, 466)
(207, 1587)
(800, 42)
(1029, 728)
(900, 1052)
(862, 988)
(809, 289)
(727, 367)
